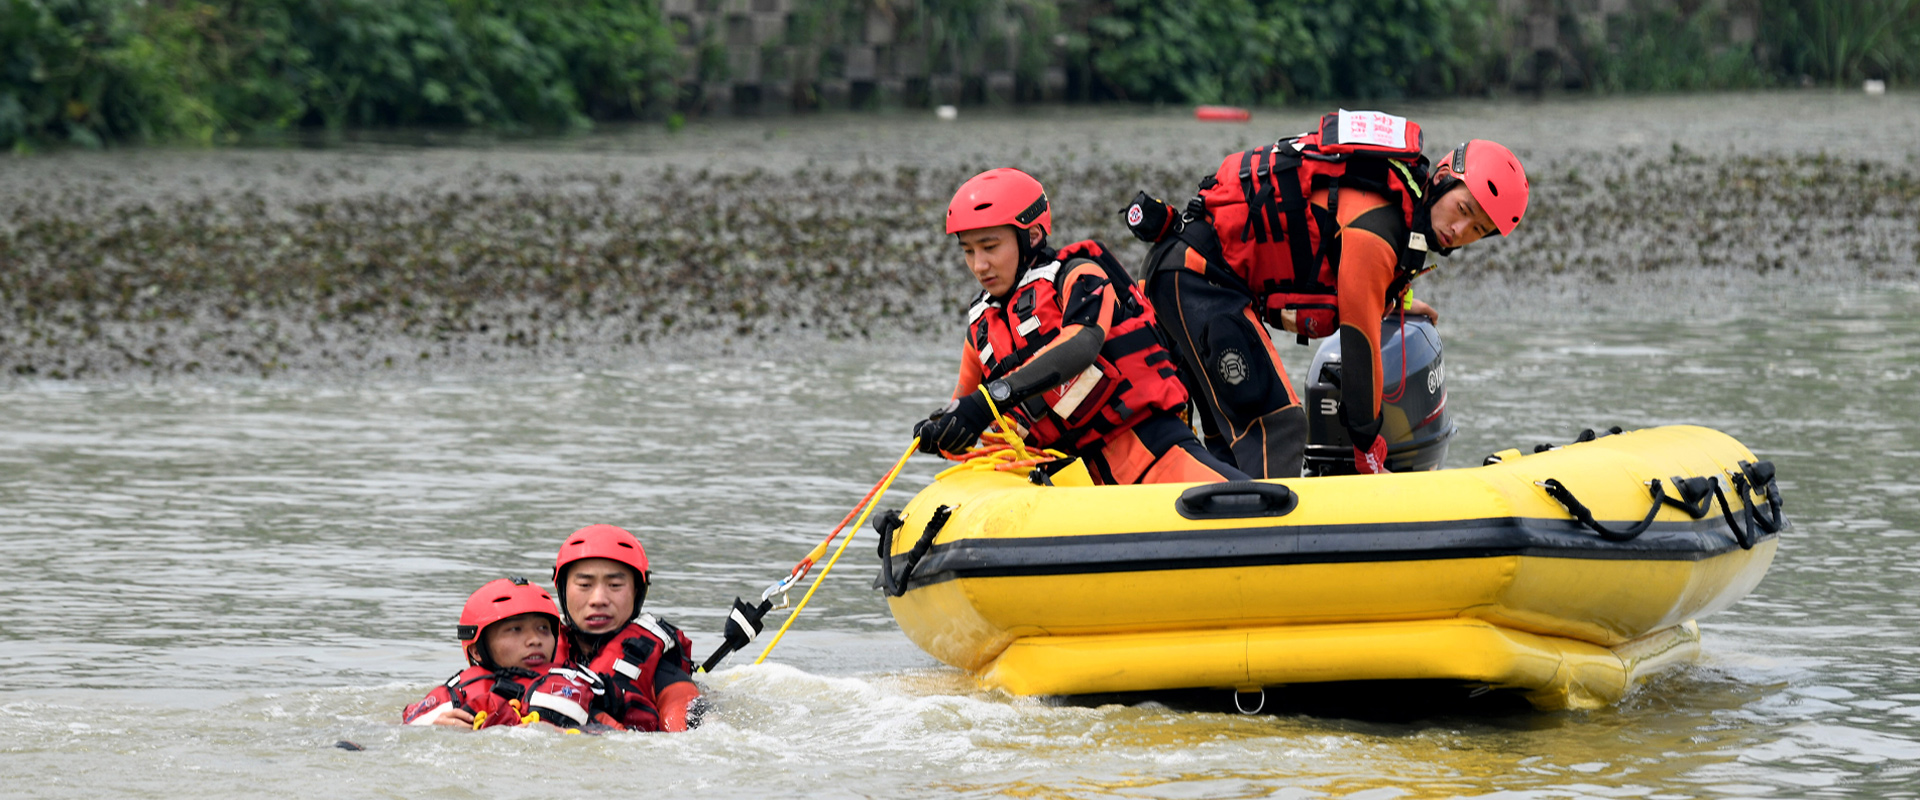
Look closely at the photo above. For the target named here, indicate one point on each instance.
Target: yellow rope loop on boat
(873, 503)
(1005, 451)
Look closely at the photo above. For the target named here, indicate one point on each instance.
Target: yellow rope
(1010, 454)
(828, 570)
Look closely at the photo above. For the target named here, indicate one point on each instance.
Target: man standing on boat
(1316, 234)
(1063, 342)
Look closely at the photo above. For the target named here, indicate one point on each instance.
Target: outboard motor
(1416, 424)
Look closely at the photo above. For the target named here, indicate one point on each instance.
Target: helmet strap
(1423, 213)
(479, 654)
(1032, 253)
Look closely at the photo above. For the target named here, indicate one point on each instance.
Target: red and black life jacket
(1279, 244)
(560, 695)
(1131, 378)
(627, 665)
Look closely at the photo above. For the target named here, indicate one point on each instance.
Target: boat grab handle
(1579, 511)
(1236, 499)
(896, 585)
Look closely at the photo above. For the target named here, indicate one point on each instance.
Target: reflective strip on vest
(1028, 326)
(1077, 390)
(582, 677)
(628, 669)
(554, 702)
(1040, 273)
(667, 643)
(979, 307)
(429, 717)
(986, 354)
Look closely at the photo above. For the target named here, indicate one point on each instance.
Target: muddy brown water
(212, 578)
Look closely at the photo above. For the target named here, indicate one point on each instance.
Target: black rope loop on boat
(1744, 482)
(1696, 495)
(1579, 511)
(1757, 478)
(1744, 537)
(896, 585)
(1586, 435)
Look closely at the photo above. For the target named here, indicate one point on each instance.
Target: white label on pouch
(1374, 128)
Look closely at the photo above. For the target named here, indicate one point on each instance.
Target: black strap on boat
(896, 585)
(1579, 511)
(1745, 481)
(1696, 495)
(1586, 435)
(1745, 538)
(1757, 478)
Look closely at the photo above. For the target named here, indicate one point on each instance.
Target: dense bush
(1844, 42)
(1274, 50)
(96, 71)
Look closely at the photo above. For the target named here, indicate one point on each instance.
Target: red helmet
(498, 600)
(1494, 175)
(602, 541)
(1004, 196)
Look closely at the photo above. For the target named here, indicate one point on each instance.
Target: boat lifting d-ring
(1242, 707)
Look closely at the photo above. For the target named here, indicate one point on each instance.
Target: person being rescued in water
(516, 666)
(644, 665)
(1316, 234)
(1063, 342)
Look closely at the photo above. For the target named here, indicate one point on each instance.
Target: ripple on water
(213, 583)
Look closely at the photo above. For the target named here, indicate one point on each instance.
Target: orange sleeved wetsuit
(1214, 320)
(1368, 264)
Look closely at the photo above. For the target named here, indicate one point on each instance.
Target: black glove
(955, 428)
(743, 623)
(927, 431)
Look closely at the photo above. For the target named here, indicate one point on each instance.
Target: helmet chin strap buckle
(1417, 241)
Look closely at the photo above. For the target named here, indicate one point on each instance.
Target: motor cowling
(1414, 422)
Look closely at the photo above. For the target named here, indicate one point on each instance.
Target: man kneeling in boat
(1317, 234)
(1063, 342)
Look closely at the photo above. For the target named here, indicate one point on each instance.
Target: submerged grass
(489, 263)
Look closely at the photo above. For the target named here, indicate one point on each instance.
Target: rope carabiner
(800, 570)
(865, 508)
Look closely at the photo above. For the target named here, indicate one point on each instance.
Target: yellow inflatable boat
(1568, 574)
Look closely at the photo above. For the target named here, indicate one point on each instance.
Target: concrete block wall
(1548, 39)
(882, 58)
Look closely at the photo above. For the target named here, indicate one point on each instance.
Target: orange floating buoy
(1222, 114)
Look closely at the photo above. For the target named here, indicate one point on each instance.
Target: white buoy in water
(947, 112)
(1875, 87)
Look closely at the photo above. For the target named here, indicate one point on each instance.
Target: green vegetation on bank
(91, 72)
